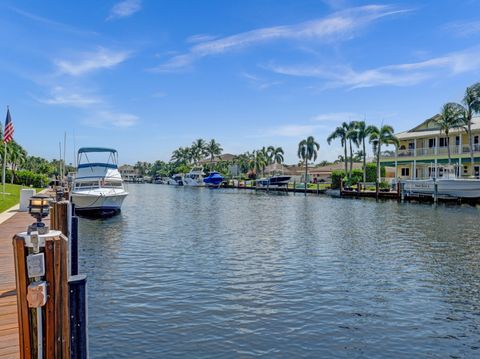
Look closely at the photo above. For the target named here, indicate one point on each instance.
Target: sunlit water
(198, 273)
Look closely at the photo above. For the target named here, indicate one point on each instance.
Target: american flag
(8, 133)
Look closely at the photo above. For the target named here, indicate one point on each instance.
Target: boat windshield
(97, 157)
(102, 183)
(87, 185)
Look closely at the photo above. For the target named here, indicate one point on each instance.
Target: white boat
(175, 180)
(448, 185)
(98, 189)
(194, 177)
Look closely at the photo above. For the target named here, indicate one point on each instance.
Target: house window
(457, 141)
(475, 140)
(405, 172)
(431, 142)
(411, 146)
(443, 142)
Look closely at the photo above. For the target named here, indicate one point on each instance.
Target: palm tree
(181, 155)
(16, 156)
(451, 116)
(340, 133)
(363, 131)
(378, 137)
(276, 154)
(261, 160)
(198, 150)
(266, 154)
(352, 137)
(213, 148)
(307, 150)
(472, 105)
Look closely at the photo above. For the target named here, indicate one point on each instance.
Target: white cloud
(259, 83)
(292, 130)
(124, 9)
(463, 28)
(201, 38)
(61, 96)
(339, 26)
(102, 58)
(105, 118)
(395, 75)
(338, 117)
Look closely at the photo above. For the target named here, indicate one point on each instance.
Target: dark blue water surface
(198, 273)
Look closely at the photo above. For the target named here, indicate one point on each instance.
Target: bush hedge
(357, 175)
(26, 178)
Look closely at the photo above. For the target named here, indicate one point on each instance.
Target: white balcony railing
(431, 151)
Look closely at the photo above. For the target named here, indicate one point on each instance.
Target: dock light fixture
(39, 208)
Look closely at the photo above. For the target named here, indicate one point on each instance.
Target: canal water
(198, 273)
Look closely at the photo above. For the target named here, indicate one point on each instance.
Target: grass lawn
(11, 199)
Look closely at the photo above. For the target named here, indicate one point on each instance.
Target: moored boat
(274, 181)
(447, 185)
(194, 178)
(98, 189)
(213, 180)
(461, 188)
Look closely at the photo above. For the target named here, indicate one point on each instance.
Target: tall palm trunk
(377, 182)
(364, 162)
(345, 159)
(306, 174)
(351, 159)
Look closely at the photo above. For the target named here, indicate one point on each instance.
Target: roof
(222, 157)
(423, 130)
(284, 169)
(96, 149)
(334, 167)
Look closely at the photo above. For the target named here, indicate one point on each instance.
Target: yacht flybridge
(98, 187)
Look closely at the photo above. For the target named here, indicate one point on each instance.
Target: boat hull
(193, 182)
(98, 204)
(275, 181)
(461, 188)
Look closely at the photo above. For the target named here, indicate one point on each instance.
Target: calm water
(188, 272)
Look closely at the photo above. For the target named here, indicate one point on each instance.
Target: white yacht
(447, 185)
(194, 177)
(98, 187)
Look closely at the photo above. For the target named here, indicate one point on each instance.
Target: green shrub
(337, 177)
(27, 178)
(357, 176)
(372, 172)
(384, 185)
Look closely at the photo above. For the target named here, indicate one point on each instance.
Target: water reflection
(187, 272)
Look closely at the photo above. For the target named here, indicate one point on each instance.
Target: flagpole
(4, 164)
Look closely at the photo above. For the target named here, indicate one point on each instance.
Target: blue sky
(148, 76)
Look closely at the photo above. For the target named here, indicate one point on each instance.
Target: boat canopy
(96, 149)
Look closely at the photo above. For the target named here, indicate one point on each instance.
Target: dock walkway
(11, 222)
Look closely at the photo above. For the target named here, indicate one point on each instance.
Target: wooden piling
(22, 305)
(59, 217)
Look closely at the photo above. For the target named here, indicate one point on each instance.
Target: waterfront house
(423, 153)
(129, 173)
(233, 168)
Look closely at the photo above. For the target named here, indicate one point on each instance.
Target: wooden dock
(14, 222)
